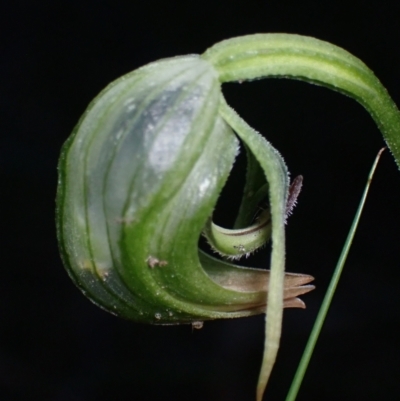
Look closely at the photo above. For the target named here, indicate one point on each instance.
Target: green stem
(294, 389)
(312, 60)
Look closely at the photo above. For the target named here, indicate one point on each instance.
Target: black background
(55, 345)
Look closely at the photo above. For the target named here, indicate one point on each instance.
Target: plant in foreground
(141, 173)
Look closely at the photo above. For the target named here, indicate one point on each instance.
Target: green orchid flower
(142, 171)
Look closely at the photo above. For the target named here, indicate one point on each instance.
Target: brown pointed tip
(294, 303)
(293, 292)
(297, 279)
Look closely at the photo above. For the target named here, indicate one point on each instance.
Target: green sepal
(139, 178)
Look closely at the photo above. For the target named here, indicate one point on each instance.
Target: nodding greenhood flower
(142, 171)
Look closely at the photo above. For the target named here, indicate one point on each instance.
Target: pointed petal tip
(294, 303)
(297, 279)
(292, 292)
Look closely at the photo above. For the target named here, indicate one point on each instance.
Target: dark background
(55, 345)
